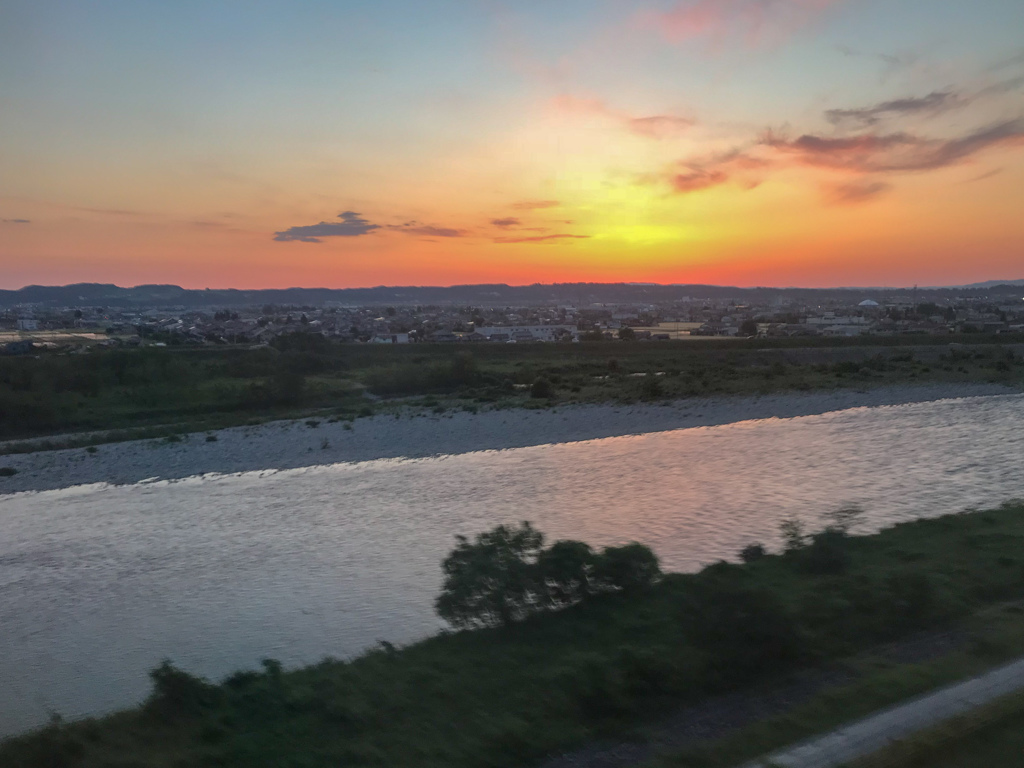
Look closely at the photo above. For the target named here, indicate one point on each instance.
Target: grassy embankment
(991, 737)
(509, 696)
(156, 392)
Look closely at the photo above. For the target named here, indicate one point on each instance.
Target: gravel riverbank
(289, 444)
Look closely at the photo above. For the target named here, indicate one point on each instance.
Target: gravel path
(290, 444)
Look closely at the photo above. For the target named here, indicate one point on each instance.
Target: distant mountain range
(499, 294)
(994, 283)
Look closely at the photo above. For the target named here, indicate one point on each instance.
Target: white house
(28, 324)
(393, 338)
(526, 332)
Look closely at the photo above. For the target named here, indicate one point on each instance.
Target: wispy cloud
(16, 221)
(428, 230)
(508, 221)
(1012, 61)
(535, 205)
(698, 179)
(696, 174)
(109, 211)
(856, 192)
(932, 104)
(894, 152)
(651, 126)
(754, 23)
(540, 238)
(351, 225)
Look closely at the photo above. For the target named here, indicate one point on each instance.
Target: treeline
(58, 391)
(507, 694)
(116, 388)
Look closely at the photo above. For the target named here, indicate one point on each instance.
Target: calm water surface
(97, 584)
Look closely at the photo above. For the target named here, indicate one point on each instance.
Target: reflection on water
(97, 584)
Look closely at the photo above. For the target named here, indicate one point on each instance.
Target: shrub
(793, 535)
(8, 471)
(827, 553)
(632, 566)
(92, 449)
(177, 693)
(752, 552)
(651, 388)
(845, 519)
(743, 627)
(211, 438)
(542, 389)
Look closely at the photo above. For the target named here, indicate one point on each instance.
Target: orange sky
(745, 142)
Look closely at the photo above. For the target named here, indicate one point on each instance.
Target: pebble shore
(290, 444)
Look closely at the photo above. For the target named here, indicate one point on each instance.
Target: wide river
(99, 583)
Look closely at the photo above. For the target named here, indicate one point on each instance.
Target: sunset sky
(256, 143)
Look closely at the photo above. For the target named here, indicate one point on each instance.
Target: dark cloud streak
(933, 103)
(431, 231)
(351, 225)
(857, 192)
(895, 152)
(540, 238)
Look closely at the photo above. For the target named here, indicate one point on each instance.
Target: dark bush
(632, 566)
(565, 569)
(8, 471)
(179, 694)
(542, 389)
(651, 388)
(828, 553)
(746, 629)
(752, 552)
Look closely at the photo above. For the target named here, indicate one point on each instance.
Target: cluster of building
(777, 317)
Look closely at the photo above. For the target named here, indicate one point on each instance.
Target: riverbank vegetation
(601, 667)
(158, 391)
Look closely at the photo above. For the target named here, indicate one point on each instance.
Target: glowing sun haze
(328, 143)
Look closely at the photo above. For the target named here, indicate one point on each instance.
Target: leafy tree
(565, 569)
(505, 575)
(748, 328)
(629, 567)
(627, 334)
(492, 580)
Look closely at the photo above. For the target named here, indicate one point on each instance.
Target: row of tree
(507, 574)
